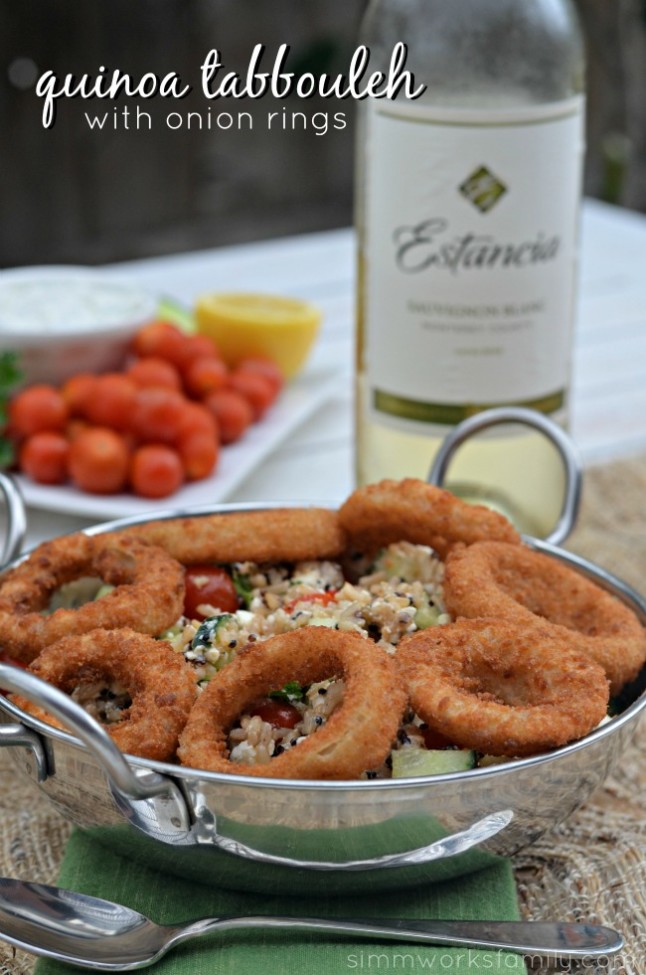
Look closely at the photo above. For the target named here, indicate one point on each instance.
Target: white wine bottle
(467, 206)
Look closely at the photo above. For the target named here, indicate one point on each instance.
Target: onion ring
(414, 511)
(148, 594)
(160, 684)
(272, 535)
(502, 688)
(357, 736)
(514, 582)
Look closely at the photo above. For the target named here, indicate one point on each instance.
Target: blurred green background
(71, 194)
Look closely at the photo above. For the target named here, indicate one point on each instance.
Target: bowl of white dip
(62, 320)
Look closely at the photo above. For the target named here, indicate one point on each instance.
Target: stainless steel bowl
(304, 837)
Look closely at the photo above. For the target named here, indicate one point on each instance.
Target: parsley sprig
(292, 691)
(10, 375)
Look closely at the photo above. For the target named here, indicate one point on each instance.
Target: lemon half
(245, 324)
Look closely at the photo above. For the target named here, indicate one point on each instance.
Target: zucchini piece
(207, 630)
(435, 761)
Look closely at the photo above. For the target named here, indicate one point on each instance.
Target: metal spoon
(94, 933)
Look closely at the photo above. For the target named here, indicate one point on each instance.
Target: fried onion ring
(357, 736)
(148, 594)
(271, 535)
(414, 511)
(514, 582)
(160, 684)
(501, 688)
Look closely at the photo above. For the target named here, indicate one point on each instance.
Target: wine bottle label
(470, 259)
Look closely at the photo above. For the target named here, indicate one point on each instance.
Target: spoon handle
(94, 933)
(541, 938)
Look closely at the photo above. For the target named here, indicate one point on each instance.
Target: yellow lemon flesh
(245, 324)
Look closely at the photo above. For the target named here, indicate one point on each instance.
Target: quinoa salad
(396, 594)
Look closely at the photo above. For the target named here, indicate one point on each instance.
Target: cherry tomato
(200, 347)
(98, 461)
(263, 367)
(112, 401)
(208, 585)
(202, 376)
(433, 739)
(279, 714)
(196, 418)
(232, 412)
(75, 426)
(156, 471)
(199, 453)
(37, 408)
(154, 371)
(158, 414)
(77, 392)
(323, 598)
(43, 457)
(161, 339)
(256, 389)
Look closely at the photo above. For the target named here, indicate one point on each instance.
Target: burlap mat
(593, 866)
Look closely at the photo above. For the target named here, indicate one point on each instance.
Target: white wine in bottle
(467, 204)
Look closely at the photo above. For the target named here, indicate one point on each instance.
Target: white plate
(298, 401)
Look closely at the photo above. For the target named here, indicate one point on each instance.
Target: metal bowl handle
(16, 519)
(519, 414)
(449, 846)
(155, 805)
(94, 737)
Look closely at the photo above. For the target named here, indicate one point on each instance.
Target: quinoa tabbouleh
(398, 593)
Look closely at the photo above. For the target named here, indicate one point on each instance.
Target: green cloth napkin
(488, 894)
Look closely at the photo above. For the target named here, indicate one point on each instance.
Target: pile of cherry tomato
(150, 428)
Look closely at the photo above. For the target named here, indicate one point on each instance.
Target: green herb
(7, 453)
(292, 691)
(243, 587)
(10, 375)
(171, 310)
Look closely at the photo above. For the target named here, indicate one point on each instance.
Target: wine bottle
(467, 205)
